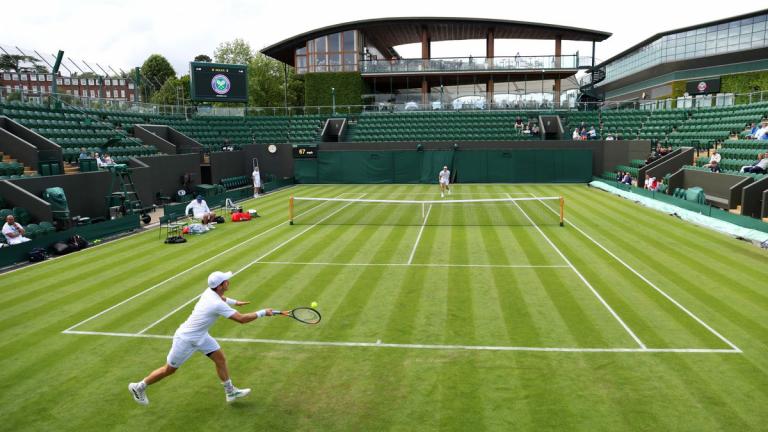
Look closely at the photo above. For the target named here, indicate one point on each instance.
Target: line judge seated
(201, 211)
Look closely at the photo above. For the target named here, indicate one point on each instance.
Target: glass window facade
(739, 35)
(336, 52)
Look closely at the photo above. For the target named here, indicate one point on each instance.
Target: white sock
(142, 385)
(228, 387)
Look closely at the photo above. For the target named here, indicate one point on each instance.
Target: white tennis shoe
(237, 393)
(139, 394)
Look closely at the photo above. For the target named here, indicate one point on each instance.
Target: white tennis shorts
(182, 349)
(445, 182)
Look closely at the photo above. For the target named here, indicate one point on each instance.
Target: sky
(123, 34)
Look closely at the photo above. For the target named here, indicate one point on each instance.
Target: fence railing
(470, 64)
(393, 103)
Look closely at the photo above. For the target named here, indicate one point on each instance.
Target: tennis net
(463, 212)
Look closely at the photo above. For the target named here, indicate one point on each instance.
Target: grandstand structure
(402, 140)
(497, 79)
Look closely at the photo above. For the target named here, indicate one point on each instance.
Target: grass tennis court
(480, 319)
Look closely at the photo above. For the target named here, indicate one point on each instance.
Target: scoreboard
(305, 152)
(215, 82)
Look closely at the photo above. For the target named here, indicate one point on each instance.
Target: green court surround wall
(467, 166)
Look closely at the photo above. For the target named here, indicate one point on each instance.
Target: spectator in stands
(714, 167)
(592, 133)
(519, 124)
(83, 154)
(576, 136)
(201, 211)
(750, 129)
(651, 183)
(99, 160)
(627, 179)
(527, 130)
(762, 133)
(609, 138)
(108, 159)
(715, 158)
(13, 231)
(535, 129)
(583, 133)
(759, 167)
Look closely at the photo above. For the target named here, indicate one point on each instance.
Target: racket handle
(276, 312)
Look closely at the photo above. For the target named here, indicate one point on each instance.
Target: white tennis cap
(217, 278)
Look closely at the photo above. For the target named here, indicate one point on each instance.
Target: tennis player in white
(193, 336)
(445, 181)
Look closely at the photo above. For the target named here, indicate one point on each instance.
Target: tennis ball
(314, 304)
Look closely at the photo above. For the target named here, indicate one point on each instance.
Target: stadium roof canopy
(679, 30)
(387, 33)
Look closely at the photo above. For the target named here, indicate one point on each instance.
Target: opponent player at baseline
(193, 336)
(445, 181)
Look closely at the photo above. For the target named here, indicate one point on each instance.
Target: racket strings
(307, 315)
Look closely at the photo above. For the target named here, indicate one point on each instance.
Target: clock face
(272, 148)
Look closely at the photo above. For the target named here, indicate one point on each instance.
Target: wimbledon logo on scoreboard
(220, 84)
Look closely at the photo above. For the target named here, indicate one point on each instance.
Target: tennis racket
(305, 315)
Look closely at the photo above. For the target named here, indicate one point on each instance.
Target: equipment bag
(37, 255)
(175, 239)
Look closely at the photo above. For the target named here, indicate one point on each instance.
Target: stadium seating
(235, 182)
(214, 132)
(438, 126)
(73, 129)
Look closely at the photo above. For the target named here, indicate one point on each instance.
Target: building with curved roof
(370, 48)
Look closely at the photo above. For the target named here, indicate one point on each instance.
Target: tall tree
(154, 72)
(202, 58)
(236, 51)
(13, 63)
(266, 83)
(173, 92)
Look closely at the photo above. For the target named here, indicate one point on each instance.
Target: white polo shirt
(445, 176)
(199, 209)
(11, 229)
(207, 310)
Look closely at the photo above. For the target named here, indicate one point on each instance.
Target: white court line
(185, 271)
(421, 230)
(583, 279)
(644, 279)
(452, 193)
(246, 266)
(410, 265)
(379, 344)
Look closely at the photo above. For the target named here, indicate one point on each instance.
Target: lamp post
(333, 100)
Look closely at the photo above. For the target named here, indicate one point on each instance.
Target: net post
(562, 211)
(290, 210)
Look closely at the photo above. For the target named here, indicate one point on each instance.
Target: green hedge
(349, 86)
(744, 83)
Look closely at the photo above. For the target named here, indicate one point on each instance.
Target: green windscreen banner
(467, 166)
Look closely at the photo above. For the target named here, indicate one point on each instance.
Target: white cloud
(123, 34)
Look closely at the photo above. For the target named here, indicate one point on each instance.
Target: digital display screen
(214, 82)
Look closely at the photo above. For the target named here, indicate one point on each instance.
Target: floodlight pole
(333, 99)
(441, 96)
